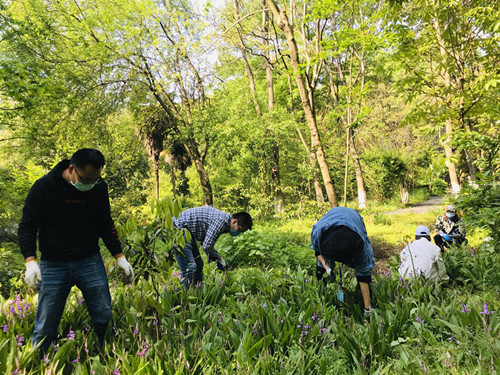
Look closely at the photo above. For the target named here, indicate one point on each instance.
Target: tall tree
(450, 52)
(128, 46)
(306, 98)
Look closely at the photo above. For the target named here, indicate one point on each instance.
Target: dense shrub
(384, 173)
(439, 187)
(481, 207)
(265, 249)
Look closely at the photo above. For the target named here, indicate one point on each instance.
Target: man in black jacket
(69, 210)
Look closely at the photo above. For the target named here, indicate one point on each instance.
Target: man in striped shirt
(206, 224)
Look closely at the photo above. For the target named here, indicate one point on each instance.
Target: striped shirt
(205, 224)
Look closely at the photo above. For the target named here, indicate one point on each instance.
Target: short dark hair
(419, 236)
(244, 219)
(86, 156)
(340, 243)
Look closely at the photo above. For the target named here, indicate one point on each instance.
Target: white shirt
(422, 258)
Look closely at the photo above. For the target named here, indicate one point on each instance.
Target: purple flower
(16, 371)
(5, 328)
(485, 310)
(264, 305)
(419, 319)
(76, 360)
(143, 352)
(465, 309)
(20, 340)
(71, 334)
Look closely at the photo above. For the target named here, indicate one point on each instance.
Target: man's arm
(365, 293)
(214, 231)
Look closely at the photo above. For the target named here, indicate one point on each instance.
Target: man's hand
(221, 264)
(32, 274)
(126, 269)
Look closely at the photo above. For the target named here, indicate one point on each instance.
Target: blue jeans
(89, 275)
(191, 264)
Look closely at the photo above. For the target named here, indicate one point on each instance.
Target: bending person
(340, 236)
(206, 224)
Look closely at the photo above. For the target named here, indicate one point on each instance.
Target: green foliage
(384, 172)
(463, 265)
(265, 249)
(380, 218)
(439, 187)
(481, 207)
(275, 321)
(12, 265)
(151, 247)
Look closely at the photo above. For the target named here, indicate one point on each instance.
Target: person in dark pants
(450, 229)
(206, 224)
(68, 209)
(340, 236)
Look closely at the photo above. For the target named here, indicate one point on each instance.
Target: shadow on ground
(382, 252)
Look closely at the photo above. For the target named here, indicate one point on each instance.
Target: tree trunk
(455, 186)
(359, 174)
(320, 198)
(157, 176)
(196, 158)
(248, 69)
(311, 120)
(275, 153)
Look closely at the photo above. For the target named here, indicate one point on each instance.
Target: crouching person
(421, 258)
(450, 229)
(340, 236)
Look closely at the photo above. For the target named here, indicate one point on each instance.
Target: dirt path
(419, 208)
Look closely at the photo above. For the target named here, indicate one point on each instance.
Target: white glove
(32, 274)
(127, 270)
(368, 312)
(329, 271)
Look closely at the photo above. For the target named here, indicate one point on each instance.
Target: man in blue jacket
(68, 210)
(340, 236)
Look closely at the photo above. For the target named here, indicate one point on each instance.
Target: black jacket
(69, 222)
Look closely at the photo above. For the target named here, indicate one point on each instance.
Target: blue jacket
(364, 262)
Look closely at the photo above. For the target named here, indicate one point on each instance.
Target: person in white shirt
(422, 258)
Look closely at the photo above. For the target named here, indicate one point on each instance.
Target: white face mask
(81, 186)
(450, 215)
